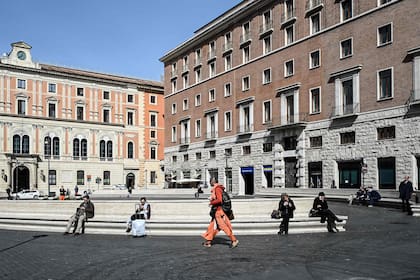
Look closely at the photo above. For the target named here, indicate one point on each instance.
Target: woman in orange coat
(220, 220)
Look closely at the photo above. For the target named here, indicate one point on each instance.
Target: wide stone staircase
(169, 217)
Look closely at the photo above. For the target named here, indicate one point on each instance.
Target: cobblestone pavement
(379, 244)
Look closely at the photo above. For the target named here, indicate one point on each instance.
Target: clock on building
(21, 55)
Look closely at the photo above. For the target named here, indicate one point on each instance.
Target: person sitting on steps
(86, 210)
(320, 206)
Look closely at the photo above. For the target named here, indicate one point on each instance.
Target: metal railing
(346, 110)
(266, 26)
(288, 15)
(211, 135)
(310, 4)
(211, 54)
(245, 37)
(184, 140)
(227, 46)
(245, 128)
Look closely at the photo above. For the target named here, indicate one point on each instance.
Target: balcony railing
(266, 27)
(288, 16)
(174, 73)
(312, 4)
(246, 37)
(198, 62)
(227, 46)
(184, 140)
(211, 55)
(245, 128)
(185, 69)
(299, 119)
(211, 135)
(346, 110)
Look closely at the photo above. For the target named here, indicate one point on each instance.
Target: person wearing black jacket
(86, 210)
(406, 190)
(321, 209)
(286, 208)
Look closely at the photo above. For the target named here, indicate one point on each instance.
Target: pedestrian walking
(406, 190)
(220, 220)
(62, 193)
(76, 190)
(286, 208)
(320, 209)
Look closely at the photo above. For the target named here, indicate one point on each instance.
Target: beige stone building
(299, 94)
(67, 127)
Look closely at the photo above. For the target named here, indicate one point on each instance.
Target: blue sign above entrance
(247, 170)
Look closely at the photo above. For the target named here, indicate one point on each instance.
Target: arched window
(76, 148)
(102, 151)
(56, 147)
(130, 150)
(109, 150)
(84, 149)
(16, 144)
(47, 146)
(25, 144)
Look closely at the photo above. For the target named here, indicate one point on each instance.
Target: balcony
(299, 120)
(185, 69)
(174, 74)
(198, 62)
(245, 38)
(184, 140)
(345, 110)
(211, 55)
(288, 17)
(266, 28)
(313, 6)
(227, 47)
(245, 129)
(211, 135)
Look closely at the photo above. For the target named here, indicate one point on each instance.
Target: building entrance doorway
(130, 180)
(248, 176)
(350, 174)
(20, 178)
(315, 174)
(290, 172)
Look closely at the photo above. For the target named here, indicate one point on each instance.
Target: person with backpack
(220, 220)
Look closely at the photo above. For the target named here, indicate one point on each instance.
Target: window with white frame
(21, 106)
(185, 80)
(227, 89)
(105, 95)
(185, 104)
(52, 88)
(153, 99)
(347, 92)
(289, 68)
(130, 118)
(266, 76)
(130, 98)
(173, 85)
(197, 57)
(174, 69)
(212, 69)
(153, 134)
(228, 41)
(173, 134)
(289, 34)
(385, 34)
(198, 128)
(246, 83)
(228, 121)
(153, 119)
(198, 100)
(21, 84)
(315, 23)
(314, 59)
(80, 91)
(228, 62)
(289, 105)
(246, 117)
(185, 64)
(212, 95)
(315, 100)
(185, 131)
(153, 152)
(346, 48)
(80, 113)
(212, 50)
(346, 7)
(385, 84)
(289, 8)
(246, 54)
(267, 44)
(267, 115)
(106, 115)
(198, 75)
(173, 108)
(52, 109)
(212, 128)
(246, 32)
(267, 21)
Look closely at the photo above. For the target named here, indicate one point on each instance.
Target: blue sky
(123, 37)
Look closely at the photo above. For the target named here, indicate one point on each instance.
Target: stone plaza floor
(379, 243)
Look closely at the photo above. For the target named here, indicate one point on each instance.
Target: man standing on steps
(220, 221)
(406, 190)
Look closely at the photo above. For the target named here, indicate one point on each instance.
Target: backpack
(226, 202)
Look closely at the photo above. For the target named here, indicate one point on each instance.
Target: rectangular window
(51, 110)
(212, 95)
(386, 173)
(267, 76)
(185, 80)
(52, 177)
(315, 23)
(21, 84)
(246, 54)
(288, 68)
(385, 35)
(290, 143)
(185, 104)
(228, 62)
(314, 59)
(267, 147)
(346, 48)
(152, 152)
(173, 84)
(173, 108)
(246, 150)
(105, 95)
(290, 35)
(212, 154)
(197, 57)
(228, 121)
(212, 69)
(52, 88)
(130, 118)
(173, 136)
(228, 89)
(315, 96)
(348, 137)
(385, 88)
(80, 91)
(153, 119)
(346, 9)
(153, 100)
(267, 111)
(174, 158)
(21, 107)
(228, 152)
(130, 98)
(198, 75)
(212, 50)
(198, 156)
(198, 100)
(386, 132)
(106, 113)
(153, 134)
(197, 128)
(153, 177)
(267, 44)
(107, 178)
(185, 157)
(80, 177)
(315, 142)
(245, 83)
(80, 113)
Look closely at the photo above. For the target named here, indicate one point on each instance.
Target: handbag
(313, 213)
(275, 214)
(230, 215)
